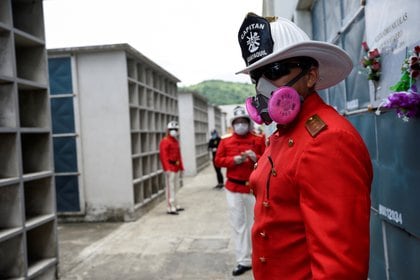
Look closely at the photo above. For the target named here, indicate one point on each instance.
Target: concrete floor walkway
(195, 245)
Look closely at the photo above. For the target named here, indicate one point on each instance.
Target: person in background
(312, 185)
(212, 146)
(239, 152)
(170, 158)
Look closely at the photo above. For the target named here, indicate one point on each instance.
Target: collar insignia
(314, 125)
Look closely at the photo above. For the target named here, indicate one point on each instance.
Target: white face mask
(173, 133)
(241, 128)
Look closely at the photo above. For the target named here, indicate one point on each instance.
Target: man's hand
(251, 154)
(239, 158)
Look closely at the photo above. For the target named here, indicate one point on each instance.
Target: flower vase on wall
(373, 89)
(371, 62)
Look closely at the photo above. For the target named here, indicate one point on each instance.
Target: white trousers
(241, 212)
(172, 186)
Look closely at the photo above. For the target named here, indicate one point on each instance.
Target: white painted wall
(279, 8)
(224, 123)
(187, 137)
(288, 9)
(105, 131)
(212, 121)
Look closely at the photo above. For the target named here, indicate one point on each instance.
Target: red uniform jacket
(170, 154)
(312, 200)
(233, 145)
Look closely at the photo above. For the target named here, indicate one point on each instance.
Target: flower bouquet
(371, 61)
(410, 71)
(405, 98)
(406, 103)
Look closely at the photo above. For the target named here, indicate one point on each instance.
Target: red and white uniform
(312, 201)
(233, 145)
(170, 154)
(240, 201)
(170, 158)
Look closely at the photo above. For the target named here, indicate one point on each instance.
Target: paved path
(195, 245)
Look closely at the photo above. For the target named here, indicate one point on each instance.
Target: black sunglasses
(276, 70)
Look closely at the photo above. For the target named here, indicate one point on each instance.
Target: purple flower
(407, 104)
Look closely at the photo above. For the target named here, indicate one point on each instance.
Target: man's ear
(313, 75)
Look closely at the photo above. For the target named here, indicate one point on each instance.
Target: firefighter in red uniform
(170, 158)
(312, 185)
(238, 152)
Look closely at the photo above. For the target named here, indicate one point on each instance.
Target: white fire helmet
(239, 112)
(173, 125)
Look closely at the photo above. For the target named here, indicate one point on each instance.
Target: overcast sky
(194, 40)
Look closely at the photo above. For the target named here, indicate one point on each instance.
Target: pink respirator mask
(282, 106)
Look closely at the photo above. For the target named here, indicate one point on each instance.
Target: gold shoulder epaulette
(314, 125)
(226, 135)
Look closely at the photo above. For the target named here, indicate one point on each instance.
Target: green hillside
(220, 92)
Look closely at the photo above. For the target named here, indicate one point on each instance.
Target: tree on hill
(220, 92)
